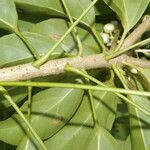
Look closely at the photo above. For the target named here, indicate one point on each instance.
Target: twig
(55, 67)
(137, 33)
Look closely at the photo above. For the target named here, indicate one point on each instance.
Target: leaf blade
(52, 29)
(55, 8)
(125, 9)
(19, 52)
(80, 134)
(51, 109)
(8, 15)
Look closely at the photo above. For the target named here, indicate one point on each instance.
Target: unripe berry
(134, 71)
(109, 28)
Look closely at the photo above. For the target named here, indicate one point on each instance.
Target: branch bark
(54, 67)
(137, 33)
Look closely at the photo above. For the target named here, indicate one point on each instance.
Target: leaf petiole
(139, 44)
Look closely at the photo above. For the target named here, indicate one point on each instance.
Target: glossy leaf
(8, 15)
(105, 109)
(13, 51)
(128, 11)
(87, 139)
(127, 144)
(51, 109)
(17, 93)
(80, 134)
(55, 28)
(24, 25)
(26, 144)
(53, 7)
(139, 122)
(101, 8)
(144, 75)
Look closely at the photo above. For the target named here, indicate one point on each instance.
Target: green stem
(99, 40)
(134, 104)
(43, 59)
(94, 115)
(68, 68)
(29, 46)
(121, 41)
(93, 107)
(77, 71)
(29, 102)
(8, 97)
(119, 73)
(75, 30)
(76, 86)
(139, 44)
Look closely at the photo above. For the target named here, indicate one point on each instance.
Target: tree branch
(55, 67)
(137, 33)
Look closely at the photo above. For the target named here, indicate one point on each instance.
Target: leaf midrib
(9, 25)
(50, 8)
(126, 17)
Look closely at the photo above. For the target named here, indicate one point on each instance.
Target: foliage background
(69, 118)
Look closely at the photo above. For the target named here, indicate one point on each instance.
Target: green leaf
(144, 75)
(17, 93)
(24, 25)
(121, 131)
(51, 110)
(26, 144)
(106, 108)
(55, 28)
(128, 11)
(127, 144)
(101, 8)
(13, 51)
(8, 15)
(121, 128)
(80, 134)
(139, 122)
(54, 8)
(87, 139)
